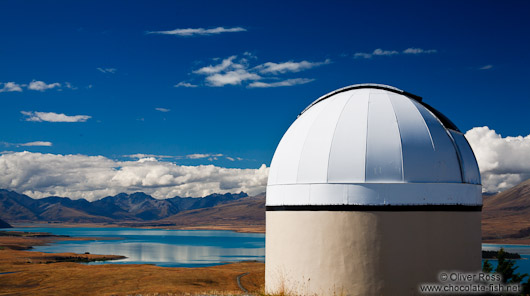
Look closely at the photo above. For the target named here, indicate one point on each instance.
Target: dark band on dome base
(380, 208)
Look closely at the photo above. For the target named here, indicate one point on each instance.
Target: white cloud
(225, 64)
(156, 156)
(288, 82)
(290, 66)
(93, 177)
(69, 85)
(381, 52)
(200, 156)
(184, 84)
(42, 86)
(362, 55)
(233, 158)
(10, 87)
(35, 143)
(234, 71)
(228, 72)
(413, 50)
(199, 31)
(162, 109)
(503, 162)
(53, 117)
(38, 143)
(234, 77)
(107, 70)
(487, 67)
(34, 85)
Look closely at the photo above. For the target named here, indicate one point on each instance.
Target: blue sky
(110, 64)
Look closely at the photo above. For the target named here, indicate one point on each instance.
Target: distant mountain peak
(137, 206)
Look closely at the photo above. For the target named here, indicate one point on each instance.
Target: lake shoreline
(25, 241)
(259, 228)
(20, 269)
(161, 247)
(27, 272)
(239, 229)
(508, 241)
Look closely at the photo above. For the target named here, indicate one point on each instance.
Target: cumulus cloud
(107, 70)
(199, 31)
(162, 109)
(237, 71)
(10, 87)
(381, 52)
(93, 177)
(42, 86)
(503, 161)
(288, 82)
(38, 143)
(184, 84)
(290, 66)
(53, 117)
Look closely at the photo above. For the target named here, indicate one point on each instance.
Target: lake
(187, 248)
(170, 248)
(523, 250)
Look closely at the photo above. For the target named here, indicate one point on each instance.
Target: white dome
(371, 144)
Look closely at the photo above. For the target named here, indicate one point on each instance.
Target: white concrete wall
(367, 253)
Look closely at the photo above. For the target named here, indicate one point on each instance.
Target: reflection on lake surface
(182, 248)
(187, 248)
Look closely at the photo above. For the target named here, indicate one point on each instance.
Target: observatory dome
(372, 144)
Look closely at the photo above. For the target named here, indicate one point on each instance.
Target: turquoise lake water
(187, 248)
(170, 248)
(523, 250)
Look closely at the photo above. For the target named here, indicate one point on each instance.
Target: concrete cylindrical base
(367, 253)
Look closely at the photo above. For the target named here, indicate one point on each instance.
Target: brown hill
(14, 206)
(59, 212)
(506, 215)
(245, 214)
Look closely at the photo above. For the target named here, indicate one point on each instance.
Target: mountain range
(505, 216)
(135, 207)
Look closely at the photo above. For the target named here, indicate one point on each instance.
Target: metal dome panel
(352, 121)
(371, 134)
(313, 167)
(383, 142)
